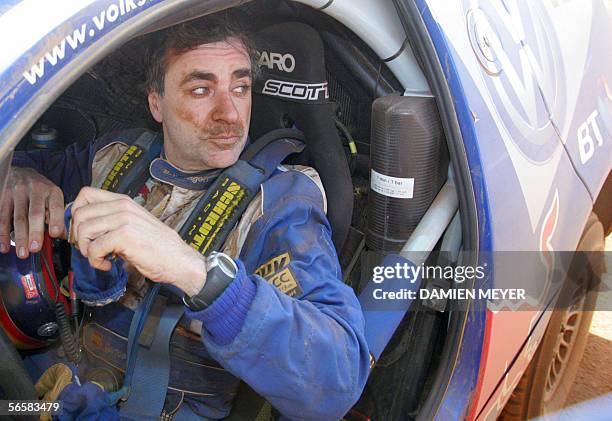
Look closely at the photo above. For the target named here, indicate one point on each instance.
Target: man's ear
(155, 106)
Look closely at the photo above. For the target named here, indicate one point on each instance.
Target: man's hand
(106, 223)
(30, 201)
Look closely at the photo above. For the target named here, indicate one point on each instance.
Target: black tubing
(65, 333)
(359, 65)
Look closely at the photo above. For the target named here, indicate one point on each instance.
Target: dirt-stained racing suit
(286, 325)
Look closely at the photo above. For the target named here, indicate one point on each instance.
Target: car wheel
(548, 379)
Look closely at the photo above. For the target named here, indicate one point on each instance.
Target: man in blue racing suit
(285, 324)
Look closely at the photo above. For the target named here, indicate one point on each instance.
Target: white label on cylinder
(401, 188)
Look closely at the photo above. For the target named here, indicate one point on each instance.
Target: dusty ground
(595, 374)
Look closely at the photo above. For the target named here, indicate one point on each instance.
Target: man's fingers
(20, 220)
(109, 243)
(6, 214)
(36, 222)
(55, 206)
(89, 195)
(89, 212)
(97, 227)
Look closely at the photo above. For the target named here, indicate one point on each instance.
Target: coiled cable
(70, 344)
(65, 333)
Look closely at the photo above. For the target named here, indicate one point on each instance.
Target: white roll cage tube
(433, 224)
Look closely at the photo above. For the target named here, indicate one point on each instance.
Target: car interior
(367, 123)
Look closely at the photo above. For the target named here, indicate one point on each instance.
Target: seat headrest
(291, 60)
(292, 90)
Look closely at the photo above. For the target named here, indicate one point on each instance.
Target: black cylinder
(408, 167)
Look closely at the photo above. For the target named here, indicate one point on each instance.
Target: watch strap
(221, 271)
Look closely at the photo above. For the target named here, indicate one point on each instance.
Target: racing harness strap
(206, 229)
(130, 173)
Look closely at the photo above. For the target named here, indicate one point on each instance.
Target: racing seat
(292, 90)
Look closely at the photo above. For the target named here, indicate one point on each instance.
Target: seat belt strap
(151, 370)
(148, 370)
(131, 171)
(223, 204)
(136, 327)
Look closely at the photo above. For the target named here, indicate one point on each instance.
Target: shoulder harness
(206, 229)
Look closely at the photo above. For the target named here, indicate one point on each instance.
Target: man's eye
(200, 90)
(242, 89)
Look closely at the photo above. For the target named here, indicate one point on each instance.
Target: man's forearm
(309, 362)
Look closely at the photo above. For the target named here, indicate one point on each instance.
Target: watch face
(220, 272)
(224, 262)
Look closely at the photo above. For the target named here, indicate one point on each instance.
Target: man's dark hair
(187, 36)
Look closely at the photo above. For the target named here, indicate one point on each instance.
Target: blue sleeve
(300, 342)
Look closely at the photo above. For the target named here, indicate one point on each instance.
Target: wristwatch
(221, 270)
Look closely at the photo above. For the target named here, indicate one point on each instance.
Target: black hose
(65, 333)
(350, 143)
(69, 343)
(359, 65)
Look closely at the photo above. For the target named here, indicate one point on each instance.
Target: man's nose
(225, 109)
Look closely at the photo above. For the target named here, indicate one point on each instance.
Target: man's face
(206, 106)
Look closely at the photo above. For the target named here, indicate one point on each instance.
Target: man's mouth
(224, 141)
(225, 138)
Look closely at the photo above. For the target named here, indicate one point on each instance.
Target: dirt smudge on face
(186, 114)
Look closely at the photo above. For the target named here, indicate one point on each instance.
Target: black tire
(548, 379)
